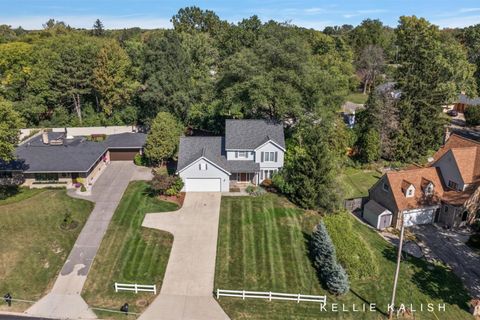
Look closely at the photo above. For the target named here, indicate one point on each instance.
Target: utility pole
(399, 258)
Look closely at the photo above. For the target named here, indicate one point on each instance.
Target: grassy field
(34, 247)
(262, 246)
(359, 98)
(129, 253)
(356, 182)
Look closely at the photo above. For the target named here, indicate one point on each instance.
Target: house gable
(450, 171)
(199, 161)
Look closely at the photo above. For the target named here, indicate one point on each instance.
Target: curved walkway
(187, 287)
(64, 300)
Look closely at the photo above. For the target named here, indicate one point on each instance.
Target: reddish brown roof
(466, 153)
(457, 198)
(455, 141)
(417, 178)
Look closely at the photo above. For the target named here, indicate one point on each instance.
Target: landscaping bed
(129, 253)
(34, 245)
(262, 246)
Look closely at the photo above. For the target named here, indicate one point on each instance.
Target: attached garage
(123, 154)
(203, 185)
(419, 216)
(204, 176)
(377, 215)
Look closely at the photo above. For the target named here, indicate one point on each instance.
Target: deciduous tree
(9, 130)
(163, 138)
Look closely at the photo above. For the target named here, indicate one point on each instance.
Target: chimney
(446, 135)
(45, 137)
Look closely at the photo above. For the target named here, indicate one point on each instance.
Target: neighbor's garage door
(421, 216)
(202, 185)
(123, 154)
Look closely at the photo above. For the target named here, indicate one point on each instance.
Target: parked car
(452, 113)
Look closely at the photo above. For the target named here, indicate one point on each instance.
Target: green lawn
(356, 182)
(34, 247)
(359, 98)
(129, 253)
(262, 246)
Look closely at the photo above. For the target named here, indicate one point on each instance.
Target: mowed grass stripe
(252, 270)
(279, 248)
(296, 252)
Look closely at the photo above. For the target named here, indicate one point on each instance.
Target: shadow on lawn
(435, 281)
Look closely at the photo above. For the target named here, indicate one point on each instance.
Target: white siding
(449, 169)
(211, 172)
(250, 155)
(269, 147)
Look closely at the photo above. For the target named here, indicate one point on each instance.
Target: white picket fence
(271, 296)
(135, 287)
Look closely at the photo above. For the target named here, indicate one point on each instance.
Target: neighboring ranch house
(445, 192)
(59, 159)
(250, 152)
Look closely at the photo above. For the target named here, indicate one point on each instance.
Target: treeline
(202, 71)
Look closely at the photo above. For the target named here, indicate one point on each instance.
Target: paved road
(463, 261)
(16, 317)
(188, 283)
(64, 300)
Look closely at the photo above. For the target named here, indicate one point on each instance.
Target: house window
(202, 166)
(46, 176)
(269, 156)
(386, 187)
(410, 192)
(452, 185)
(242, 154)
(268, 174)
(6, 174)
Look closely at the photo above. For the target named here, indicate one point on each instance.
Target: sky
(150, 14)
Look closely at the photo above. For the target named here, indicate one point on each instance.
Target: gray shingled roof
(75, 155)
(126, 140)
(213, 149)
(250, 134)
(462, 98)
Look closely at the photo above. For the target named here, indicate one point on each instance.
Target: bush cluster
(164, 184)
(140, 160)
(472, 115)
(324, 257)
(255, 190)
(353, 252)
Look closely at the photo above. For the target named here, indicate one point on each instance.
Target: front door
(243, 177)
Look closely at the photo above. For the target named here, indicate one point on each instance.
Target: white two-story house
(250, 152)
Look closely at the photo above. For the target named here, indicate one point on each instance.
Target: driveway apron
(187, 287)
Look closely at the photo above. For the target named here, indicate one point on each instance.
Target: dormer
(427, 187)
(408, 189)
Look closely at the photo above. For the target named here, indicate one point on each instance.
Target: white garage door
(202, 185)
(424, 216)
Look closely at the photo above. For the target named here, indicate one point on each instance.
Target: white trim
(209, 161)
(273, 142)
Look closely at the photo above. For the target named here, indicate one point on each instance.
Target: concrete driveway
(64, 300)
(187, 287)
(464, 262)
